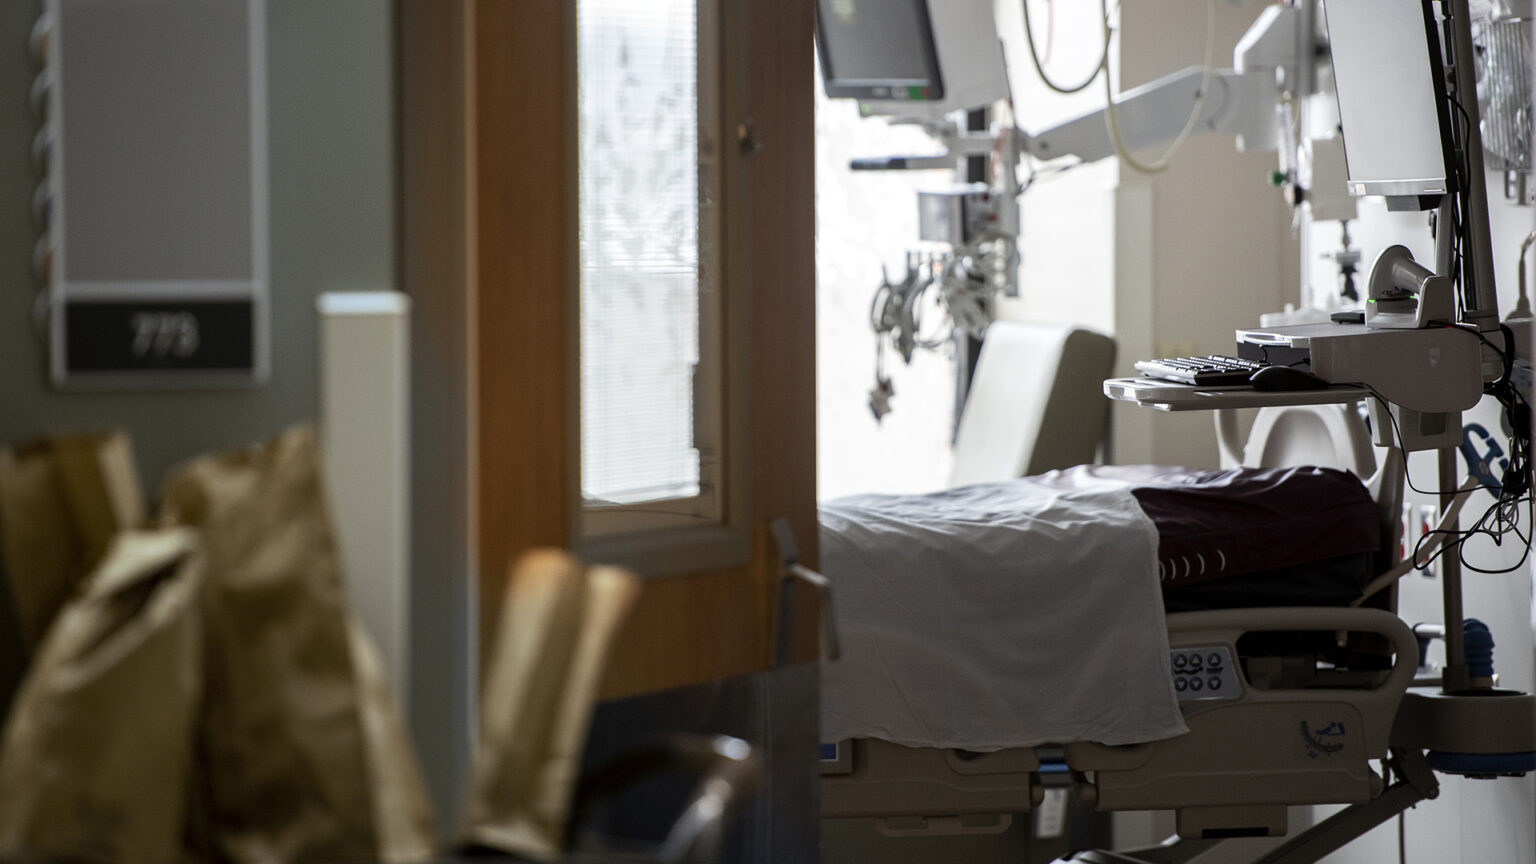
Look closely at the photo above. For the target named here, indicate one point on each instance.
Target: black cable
(1264, 358)
(1504, 513)
(1034, 55)
(1398, 435)
(1458, 539)
(1041, 174)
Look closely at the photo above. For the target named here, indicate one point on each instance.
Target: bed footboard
(1284, 706)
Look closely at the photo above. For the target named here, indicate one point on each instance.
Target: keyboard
(1212, 370)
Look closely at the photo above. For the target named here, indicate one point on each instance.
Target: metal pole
(1479, 293)
(1455, 677)
(1445, 235)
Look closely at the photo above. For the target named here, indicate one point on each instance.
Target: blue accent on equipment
(1487, 465)
(1479, 648)
(1482, 764)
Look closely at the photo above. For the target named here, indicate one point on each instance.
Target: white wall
(866, 220)
(1171, 263)
(1067, 234)
(333, 190)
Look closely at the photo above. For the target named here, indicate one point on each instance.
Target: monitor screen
(1388, 72)
(878, 50)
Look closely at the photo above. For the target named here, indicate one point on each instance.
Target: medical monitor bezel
(884, 89)
(1412, 193)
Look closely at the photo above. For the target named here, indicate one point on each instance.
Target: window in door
(649, 261)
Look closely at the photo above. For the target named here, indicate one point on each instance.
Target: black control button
(1180, 661)
(1181, 684)
(1195, 684)
(1214, 661)
(1215, 682)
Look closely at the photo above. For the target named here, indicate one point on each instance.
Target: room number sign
(105, 337)
(156, 241)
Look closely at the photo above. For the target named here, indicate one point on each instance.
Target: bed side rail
(1248, 745)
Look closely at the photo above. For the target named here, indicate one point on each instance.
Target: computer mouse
(1275, 378)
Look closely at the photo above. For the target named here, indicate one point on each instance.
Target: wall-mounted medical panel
(154, 202)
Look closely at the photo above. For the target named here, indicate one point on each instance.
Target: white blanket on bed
(997, 615)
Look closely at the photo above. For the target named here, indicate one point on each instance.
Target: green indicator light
(916, 93)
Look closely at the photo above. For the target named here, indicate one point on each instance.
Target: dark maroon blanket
(1217, 524)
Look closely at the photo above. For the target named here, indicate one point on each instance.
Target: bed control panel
(1205, 672)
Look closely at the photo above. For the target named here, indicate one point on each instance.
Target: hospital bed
(1294, 702)
(1308, 699)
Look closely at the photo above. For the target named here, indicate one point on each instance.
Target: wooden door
(489, 145)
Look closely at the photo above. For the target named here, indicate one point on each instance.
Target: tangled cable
(1512, 493)
(959, 285)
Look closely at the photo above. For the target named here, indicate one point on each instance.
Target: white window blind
(646, 217)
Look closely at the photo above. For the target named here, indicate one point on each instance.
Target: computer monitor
(878, 50)
(1389, 75)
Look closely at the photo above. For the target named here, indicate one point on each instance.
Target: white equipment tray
(1172, 396)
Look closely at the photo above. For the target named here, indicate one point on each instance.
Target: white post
(365, 369)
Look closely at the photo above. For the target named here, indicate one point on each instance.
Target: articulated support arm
(1275, 56)
(1240, 103)
(1415, 782)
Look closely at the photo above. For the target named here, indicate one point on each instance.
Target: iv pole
(1480, 306)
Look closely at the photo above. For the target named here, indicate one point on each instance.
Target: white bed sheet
(997, 615)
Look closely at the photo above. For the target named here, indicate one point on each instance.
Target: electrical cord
(1042, 174)
(1034, 54)
(1514, 491)
(1111, 113)
(1440, 542)
(957, 286)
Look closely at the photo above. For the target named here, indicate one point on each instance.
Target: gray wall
(333, 188)
(331, 112)
(331, 76)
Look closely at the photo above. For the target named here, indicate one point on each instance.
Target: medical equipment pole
(1455, 677)
(1480, 308)
(1445, 238)
(1480, 298)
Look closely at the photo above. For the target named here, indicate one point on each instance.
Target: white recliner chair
(1036, 402)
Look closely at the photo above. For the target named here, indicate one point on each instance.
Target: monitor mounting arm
(1274, 59)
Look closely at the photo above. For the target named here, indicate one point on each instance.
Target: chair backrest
(1036, 402)
(1329, 436)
